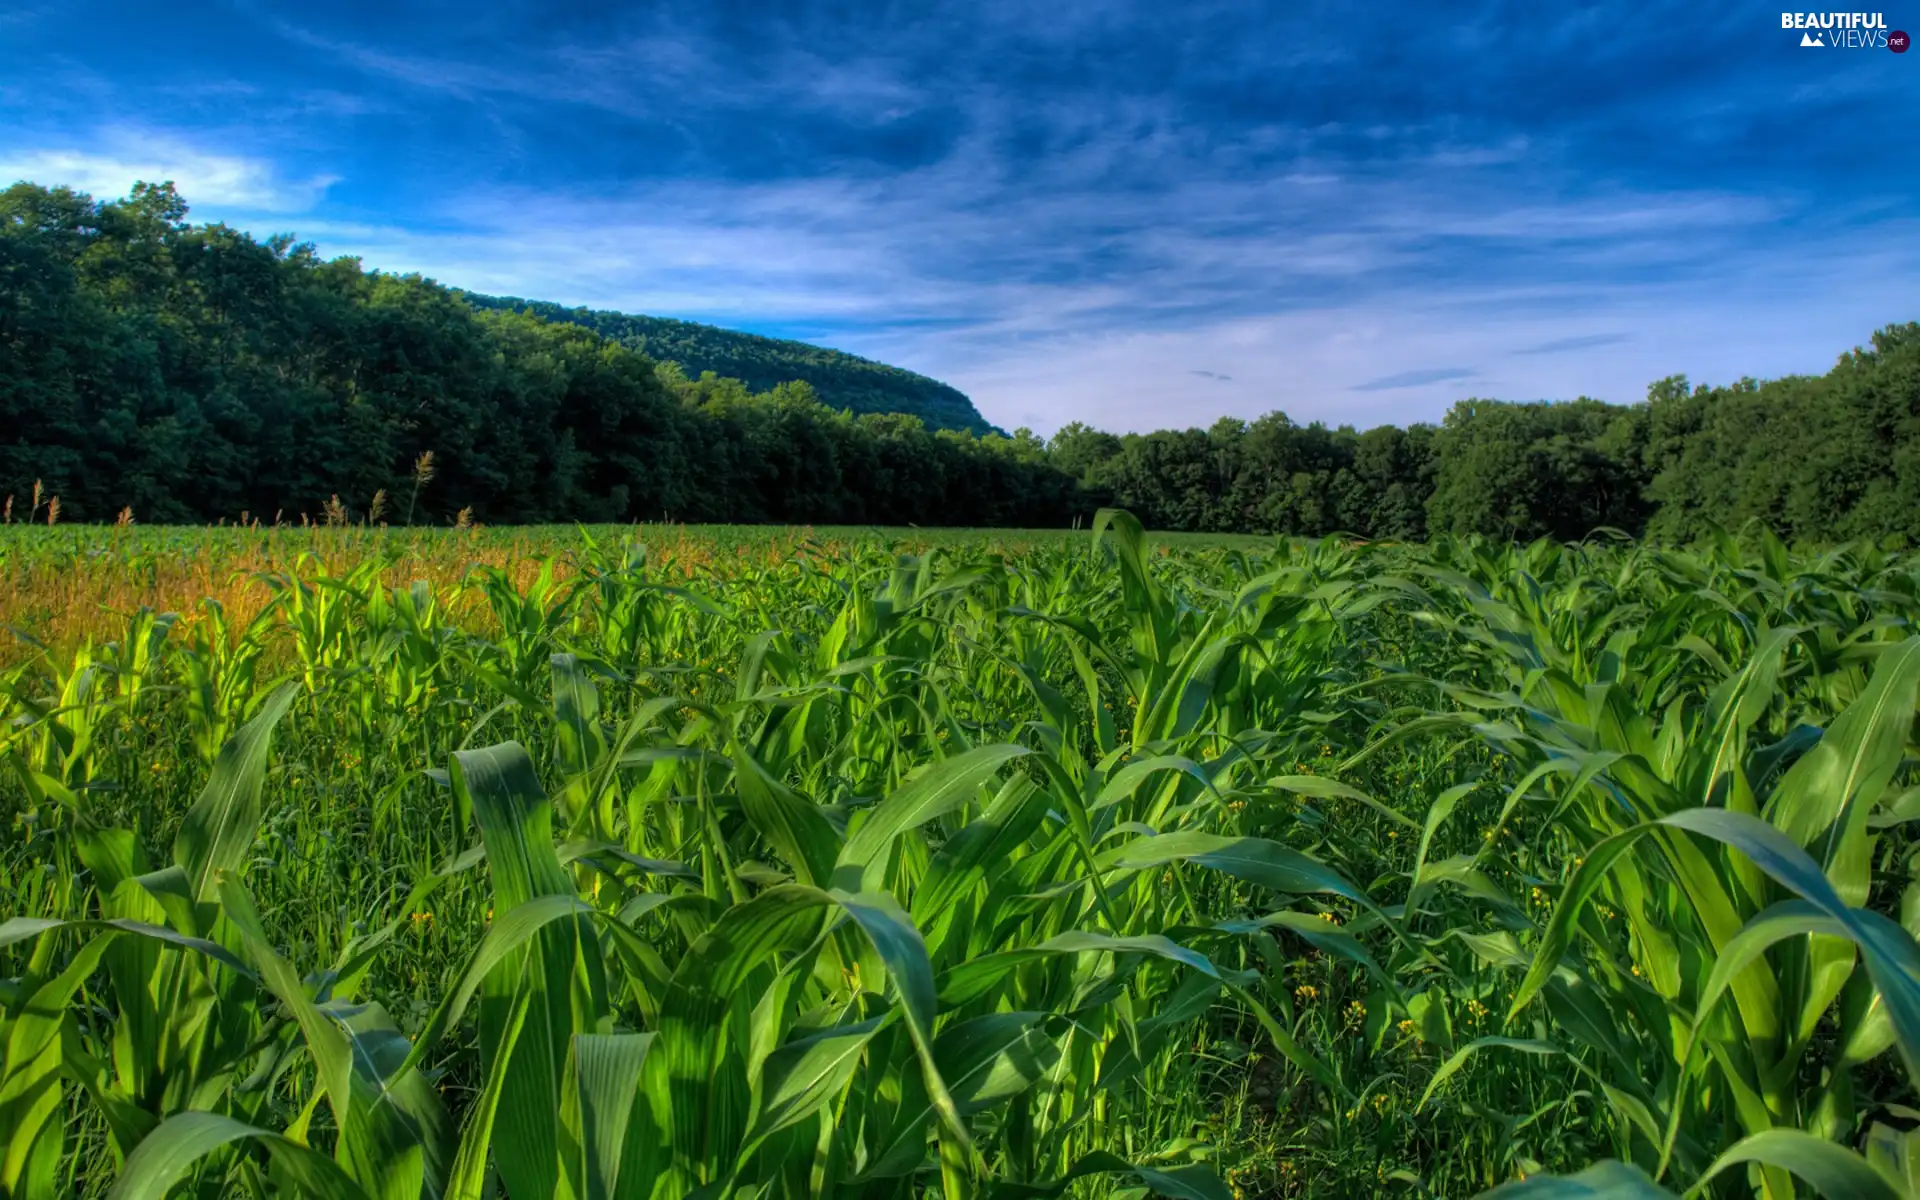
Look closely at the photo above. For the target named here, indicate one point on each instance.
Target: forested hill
(840, 380)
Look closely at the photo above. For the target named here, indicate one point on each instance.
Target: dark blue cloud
(1583, 342)
(1408, 379)
(1051, 204)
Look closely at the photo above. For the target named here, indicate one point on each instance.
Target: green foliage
(1536, 470)
(1826, 458)
(1270, 476)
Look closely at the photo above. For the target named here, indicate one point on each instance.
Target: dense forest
(840, 380)
(194, 373)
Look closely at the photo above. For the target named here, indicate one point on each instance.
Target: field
(730, 862)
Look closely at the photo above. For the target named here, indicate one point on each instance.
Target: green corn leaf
(30, 1094)
(219, 829)
(171, 1150)
(899, 944)
(379, 1145)
(1828, 794)
(1891, 955)
(697, 1078)
(984, 1061)
(1607, 1180)
(984, 848)
(803, 1076)
(1256, 860)
(701, 1084)
(561, 966)
(1327, 938)
(380, 1052)
(973, 979)
(1895, 1153)
(936, 791)
(1778, 922)
(796, 827)
(1834, 1171)
(18, 929)
(1322, 788)
(607, 1069)
(587, 849)
(1892, 958)
(1122, 784)
(576, 715)
(505, 942)
(468, 1178)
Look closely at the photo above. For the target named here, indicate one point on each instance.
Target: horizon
(1104, 214)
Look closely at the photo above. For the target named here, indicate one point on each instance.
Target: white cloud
(112, 165)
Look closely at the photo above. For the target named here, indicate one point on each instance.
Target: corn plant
(809, 863)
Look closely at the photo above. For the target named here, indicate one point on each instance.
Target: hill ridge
(839, 378)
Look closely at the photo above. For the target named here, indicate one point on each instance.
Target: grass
(776, 862)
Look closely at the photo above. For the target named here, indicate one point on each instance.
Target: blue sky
(1134, 214)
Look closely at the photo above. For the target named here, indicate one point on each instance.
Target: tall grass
(355, 862)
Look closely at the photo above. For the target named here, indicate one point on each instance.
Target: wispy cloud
(1417, 378)
(116, 160)
(1587, 341)
(25, 14)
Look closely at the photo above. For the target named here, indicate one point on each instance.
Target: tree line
(1817, 459)
(195, 373)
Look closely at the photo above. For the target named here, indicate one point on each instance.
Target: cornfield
(443, 865)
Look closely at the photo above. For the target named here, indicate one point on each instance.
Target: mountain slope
(841, 380)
